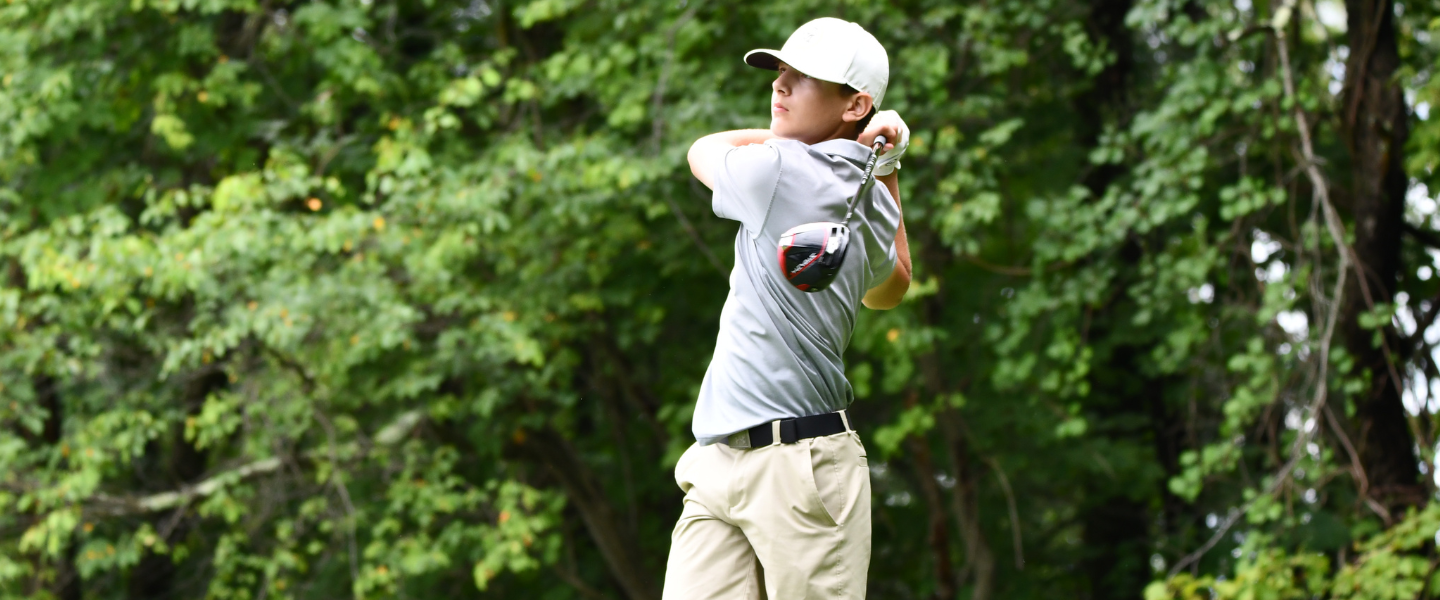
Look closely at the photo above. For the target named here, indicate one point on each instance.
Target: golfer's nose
(780, 86)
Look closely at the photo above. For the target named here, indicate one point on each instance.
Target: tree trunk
(964, 497)
(939, 526)
(965, 503)
(65, 584)
(1109, 91)
(1376, 130)
(1115, 529)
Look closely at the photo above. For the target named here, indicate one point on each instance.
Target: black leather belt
(791, 430)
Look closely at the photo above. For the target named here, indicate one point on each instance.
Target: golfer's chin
(783, 129)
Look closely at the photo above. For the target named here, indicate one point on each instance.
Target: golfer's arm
(887, 295)
(707, 152)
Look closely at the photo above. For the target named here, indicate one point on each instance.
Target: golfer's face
(803, 108)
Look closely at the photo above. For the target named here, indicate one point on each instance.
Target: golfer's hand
(887, 123)
(897, 138)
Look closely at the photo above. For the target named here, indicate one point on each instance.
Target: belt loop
(846, 420)
(789, 431)
(775, 432)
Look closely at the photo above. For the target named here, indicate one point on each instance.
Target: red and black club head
(810, 255)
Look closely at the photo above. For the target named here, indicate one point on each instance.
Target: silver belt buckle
(740, 439)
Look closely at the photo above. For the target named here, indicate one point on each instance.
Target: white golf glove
(890, 160)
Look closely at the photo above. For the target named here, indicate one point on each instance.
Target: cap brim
(771, 59)
(763, 59)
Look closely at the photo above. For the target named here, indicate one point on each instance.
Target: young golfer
(777, 490)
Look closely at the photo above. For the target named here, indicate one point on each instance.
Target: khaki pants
(783, 522)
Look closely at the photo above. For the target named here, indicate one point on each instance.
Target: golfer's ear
(860, 105)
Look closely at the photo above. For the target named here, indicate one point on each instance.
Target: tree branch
(1429, 238)
(127, 505)
(620, 552)
(1014, 514)
(1321, 192)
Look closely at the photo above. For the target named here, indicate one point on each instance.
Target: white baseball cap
(832, 50)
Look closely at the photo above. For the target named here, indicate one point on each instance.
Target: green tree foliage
(380, 298)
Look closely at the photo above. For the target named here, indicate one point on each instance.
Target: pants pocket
(839, 473)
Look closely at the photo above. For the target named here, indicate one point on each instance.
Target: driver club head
(810, 255)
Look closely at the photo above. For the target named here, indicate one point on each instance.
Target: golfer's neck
(843, 131)
(836, 135)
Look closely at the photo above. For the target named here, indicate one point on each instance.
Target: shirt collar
(851, 149)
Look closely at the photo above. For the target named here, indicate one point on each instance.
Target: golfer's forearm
(707, 151)
(902, 257)
(888, 295)
(902, 244)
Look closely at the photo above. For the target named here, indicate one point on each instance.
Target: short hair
(864, 122)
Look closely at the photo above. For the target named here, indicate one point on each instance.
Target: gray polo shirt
(780, 350)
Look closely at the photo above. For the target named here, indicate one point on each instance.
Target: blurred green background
(412, 299)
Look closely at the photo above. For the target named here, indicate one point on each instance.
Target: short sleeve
(882, 224)
(745, 184)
